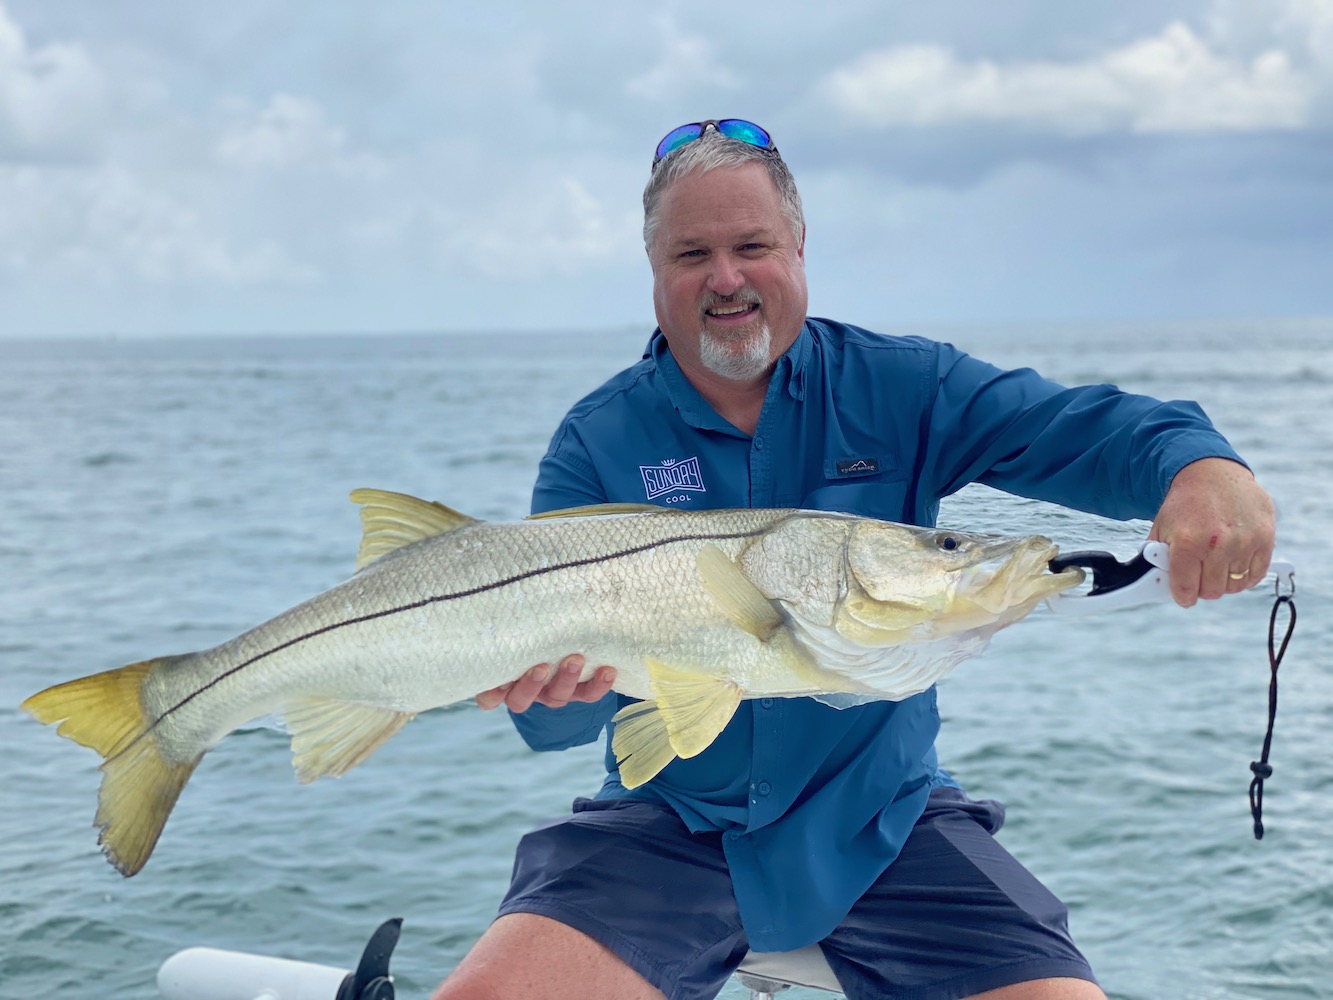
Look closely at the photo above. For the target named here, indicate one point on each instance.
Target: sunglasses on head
(732, 128)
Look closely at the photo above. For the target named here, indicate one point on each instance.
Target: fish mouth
(1018, 579)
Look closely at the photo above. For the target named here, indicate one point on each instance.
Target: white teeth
(729, 311)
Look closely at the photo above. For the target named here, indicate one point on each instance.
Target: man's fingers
(488, 700)
(553, 688)
(1258, 568)
(1200, 573)
(528, 688)
(598, 685)
(522, 692)
(559, 691)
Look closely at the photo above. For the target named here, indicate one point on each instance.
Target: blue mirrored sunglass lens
(739, 128)
(677, 137)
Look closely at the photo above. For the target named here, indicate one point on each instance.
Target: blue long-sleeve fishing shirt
(813, 803)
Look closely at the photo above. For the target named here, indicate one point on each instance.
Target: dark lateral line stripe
(425, 602)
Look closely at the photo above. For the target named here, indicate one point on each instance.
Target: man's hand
(555, 689)
(1220, 526)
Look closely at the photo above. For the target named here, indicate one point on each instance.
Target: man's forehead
(729, 201)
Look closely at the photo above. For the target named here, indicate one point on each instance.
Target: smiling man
(804, 823)
(730, 265)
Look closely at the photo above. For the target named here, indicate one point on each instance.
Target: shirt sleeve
(1094, 448)
(566, 478)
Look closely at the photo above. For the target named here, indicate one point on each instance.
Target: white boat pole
(213, 974)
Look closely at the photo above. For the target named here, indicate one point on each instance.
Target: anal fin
(331, 737)
(687, 712)
(641, 743)
(694, 706)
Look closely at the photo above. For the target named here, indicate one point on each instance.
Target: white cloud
(686, 61)
(52, 98)
(1172, 82)
(549, 226)
(1304, 28)
(417, 165)
(105, 226)
(290, 130)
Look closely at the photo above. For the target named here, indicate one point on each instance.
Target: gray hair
(708, 152)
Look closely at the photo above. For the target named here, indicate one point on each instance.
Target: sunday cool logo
(673, 474)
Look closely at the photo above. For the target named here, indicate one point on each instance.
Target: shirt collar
(695, 409)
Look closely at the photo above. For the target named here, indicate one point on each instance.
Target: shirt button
(759, 444)
(763, 788)
(765, 702)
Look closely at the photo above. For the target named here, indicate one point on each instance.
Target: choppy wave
(163, 495)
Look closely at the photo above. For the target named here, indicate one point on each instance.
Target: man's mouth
(731, 310)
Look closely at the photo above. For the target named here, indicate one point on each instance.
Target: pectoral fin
(740, 600)
(752, 610)
(332, 737)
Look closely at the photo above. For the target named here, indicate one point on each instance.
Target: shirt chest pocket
(870, 487)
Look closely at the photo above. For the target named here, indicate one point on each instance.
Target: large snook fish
(697, 610)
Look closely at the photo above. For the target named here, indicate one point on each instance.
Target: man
(803, 823)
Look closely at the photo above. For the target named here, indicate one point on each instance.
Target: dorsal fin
(390, 521)
(595, 509)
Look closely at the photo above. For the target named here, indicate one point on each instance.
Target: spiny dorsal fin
(740, 600)
(597, 509)
(390, 521)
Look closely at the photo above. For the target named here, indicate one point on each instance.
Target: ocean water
(158, 496)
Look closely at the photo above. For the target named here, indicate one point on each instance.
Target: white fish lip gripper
(1144, 579)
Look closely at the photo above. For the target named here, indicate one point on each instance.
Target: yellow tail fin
(139, 787)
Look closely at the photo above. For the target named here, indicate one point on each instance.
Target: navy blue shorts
(953, 916)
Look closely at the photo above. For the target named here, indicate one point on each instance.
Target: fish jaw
(1018, 580)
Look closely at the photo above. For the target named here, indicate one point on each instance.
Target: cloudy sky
(311, 165)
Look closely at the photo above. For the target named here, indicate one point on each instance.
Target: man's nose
(725, 277)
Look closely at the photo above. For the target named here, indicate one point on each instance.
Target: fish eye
(946, 541)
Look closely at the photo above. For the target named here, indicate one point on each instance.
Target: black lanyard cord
(1261, 768)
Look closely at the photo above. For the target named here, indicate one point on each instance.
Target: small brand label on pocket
(857, 466)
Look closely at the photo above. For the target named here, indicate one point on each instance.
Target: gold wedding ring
(1238, 576)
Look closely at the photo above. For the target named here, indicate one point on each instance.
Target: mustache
(742, 296)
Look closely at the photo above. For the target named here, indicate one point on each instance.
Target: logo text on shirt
(672, 474)
(852, 466)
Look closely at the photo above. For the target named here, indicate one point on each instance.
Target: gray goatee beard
(741, 357)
